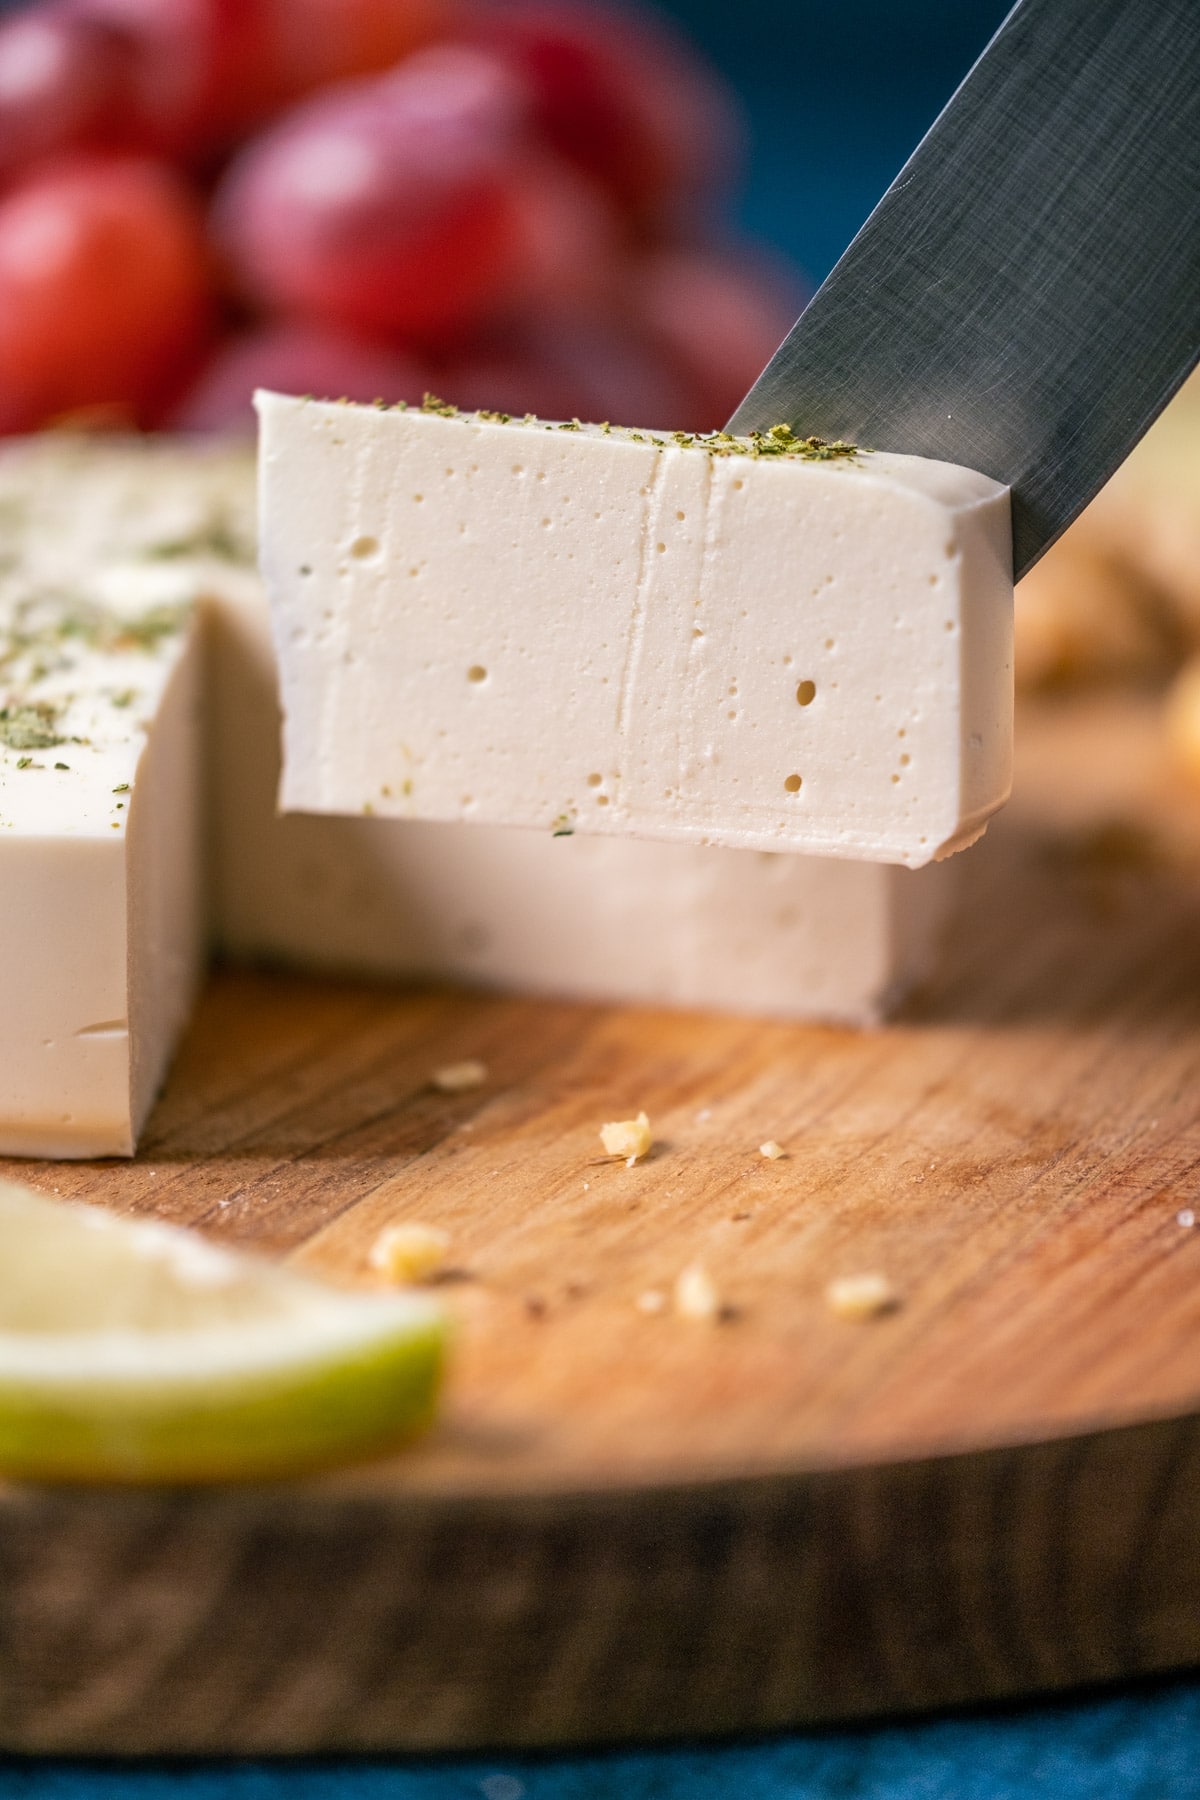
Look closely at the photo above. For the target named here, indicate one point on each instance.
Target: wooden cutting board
(633, 1525)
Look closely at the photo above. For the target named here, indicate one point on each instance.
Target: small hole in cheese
(806, 693)
(793, 784)
(476, 672)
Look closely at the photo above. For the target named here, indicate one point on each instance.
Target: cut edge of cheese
(624, 633)
(105, 930)
(167, 911)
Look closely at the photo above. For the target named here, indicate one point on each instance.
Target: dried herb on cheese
(777, 441)
(32, 726)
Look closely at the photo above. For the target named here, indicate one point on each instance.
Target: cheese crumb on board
(630, 633)
(652, 1301)
(771, 1150)
(861, 1296)
(630, 1138)
(696, 1295)
(460, 1077)
(409, 1252)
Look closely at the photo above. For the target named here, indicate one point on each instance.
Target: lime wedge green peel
(131, 1350)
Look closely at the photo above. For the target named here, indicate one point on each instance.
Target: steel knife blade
(1025, 298)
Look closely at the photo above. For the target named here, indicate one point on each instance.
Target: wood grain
(633, 1525)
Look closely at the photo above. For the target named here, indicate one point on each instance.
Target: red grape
(506, 377)
(60, 77)
(616, 374)
(572, 248)
(199, 71)
(622, 96)
(206, 71)
(102, 289)
(294, 359)
(719, 316)
(565, 368)
(317, 41)
(400, 205)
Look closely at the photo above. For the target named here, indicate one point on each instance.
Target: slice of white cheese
(576, 629)
(111, 553)
(608, 919)
(101, 934)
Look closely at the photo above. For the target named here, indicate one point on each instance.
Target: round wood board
(632, 1525)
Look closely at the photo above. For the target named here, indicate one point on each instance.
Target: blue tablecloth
(1142, 1745)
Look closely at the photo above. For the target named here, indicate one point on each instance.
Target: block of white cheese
(606, 919)
(765, 644)
(111, 555)
(101, 927)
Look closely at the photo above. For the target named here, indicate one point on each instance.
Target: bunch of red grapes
(513, 204)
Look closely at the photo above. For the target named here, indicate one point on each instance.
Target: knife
(1025, 298)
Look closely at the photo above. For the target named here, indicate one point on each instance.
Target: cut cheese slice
(609, 919)
(582, 630)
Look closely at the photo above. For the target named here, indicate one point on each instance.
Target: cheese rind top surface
(580, 629)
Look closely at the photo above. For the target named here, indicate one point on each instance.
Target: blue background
(839, 92)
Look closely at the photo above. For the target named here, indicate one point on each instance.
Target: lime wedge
(131, 1350)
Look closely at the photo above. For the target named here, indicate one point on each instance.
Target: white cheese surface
(607, 919)
(588, 631)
